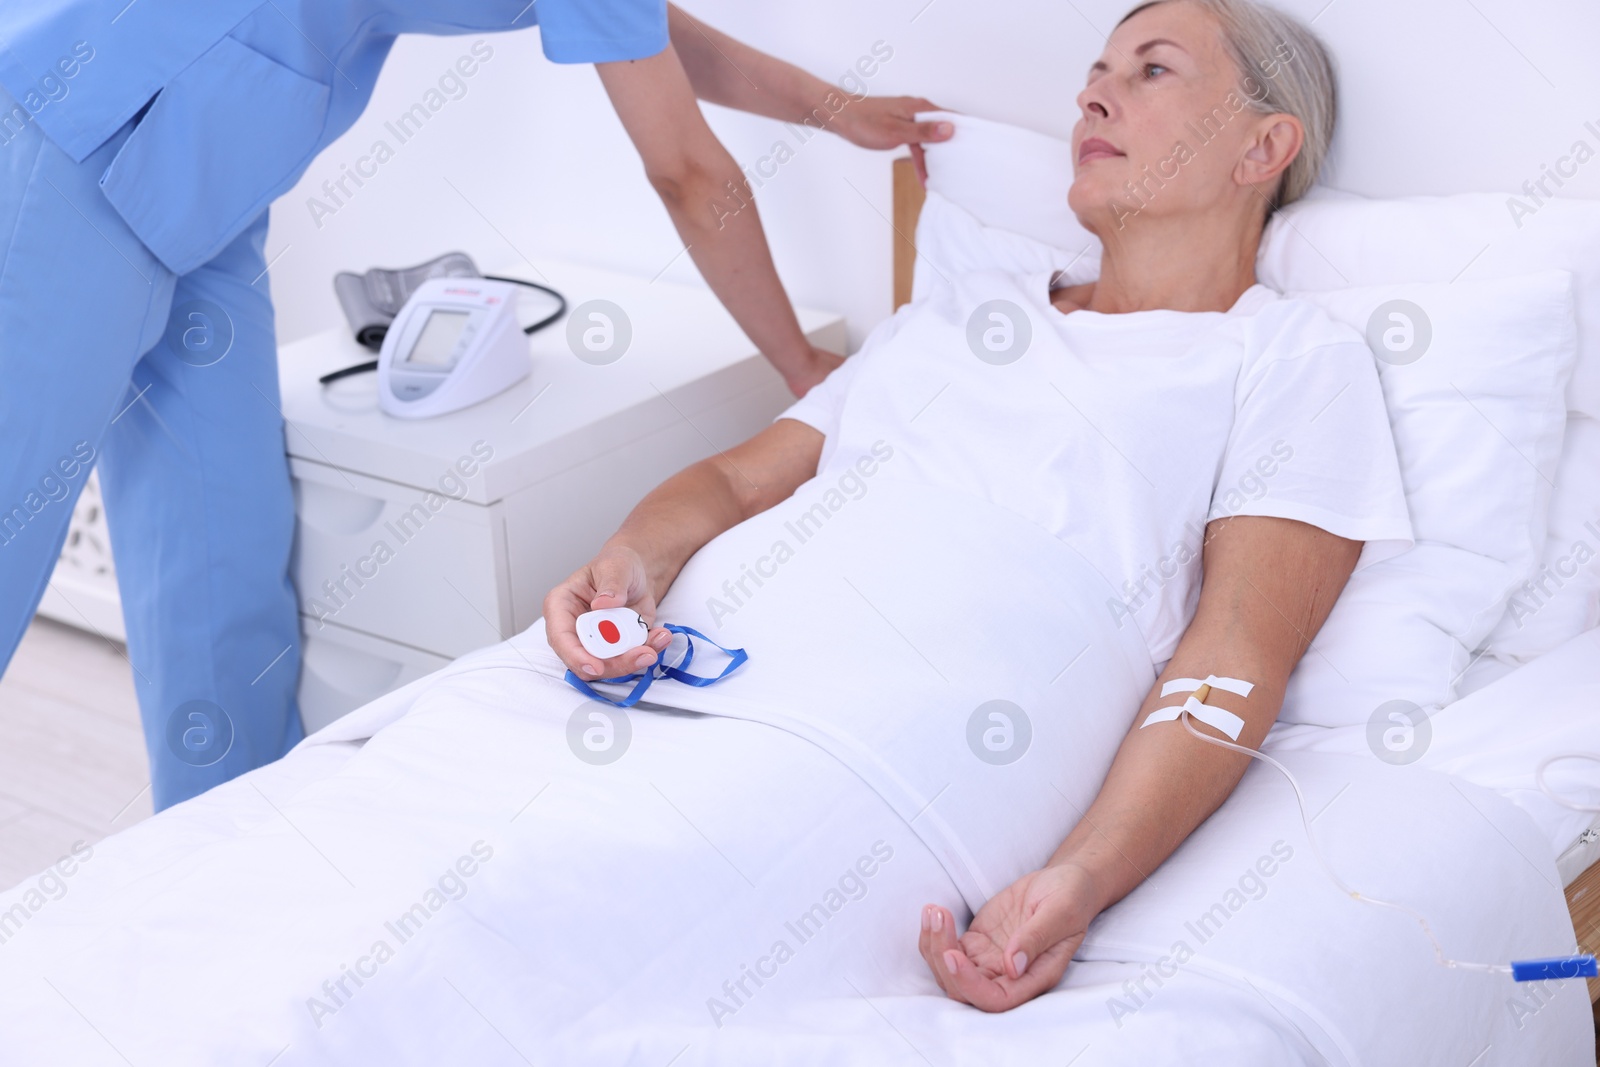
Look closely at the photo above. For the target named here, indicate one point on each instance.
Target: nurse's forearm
(709, 201)
(715, 215)
(728, 72)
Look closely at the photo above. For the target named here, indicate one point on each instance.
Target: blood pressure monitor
(455, 342)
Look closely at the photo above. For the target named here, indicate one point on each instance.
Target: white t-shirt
(1124, 435)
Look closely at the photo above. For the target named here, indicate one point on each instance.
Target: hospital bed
(1464, 831)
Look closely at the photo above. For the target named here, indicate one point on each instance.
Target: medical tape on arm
(1220, 718)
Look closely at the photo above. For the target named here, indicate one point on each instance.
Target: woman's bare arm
(684, 512)
(638, 563)
(1268, 586)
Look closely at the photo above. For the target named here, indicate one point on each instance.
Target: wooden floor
(72, 761)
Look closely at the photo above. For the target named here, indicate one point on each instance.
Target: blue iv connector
(1555, 967)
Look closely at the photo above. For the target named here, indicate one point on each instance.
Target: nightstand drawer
(396, 562)
(341, 669)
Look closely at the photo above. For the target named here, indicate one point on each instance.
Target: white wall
(1439, 96)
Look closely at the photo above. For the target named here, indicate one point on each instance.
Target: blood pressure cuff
(372, 300)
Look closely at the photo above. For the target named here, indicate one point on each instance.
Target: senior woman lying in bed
(964, 568)
(1120, 415)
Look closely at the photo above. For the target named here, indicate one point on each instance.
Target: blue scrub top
(249, 91)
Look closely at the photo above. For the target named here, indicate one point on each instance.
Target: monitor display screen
(436, 344)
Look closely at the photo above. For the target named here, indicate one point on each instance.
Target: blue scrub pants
(170, 384)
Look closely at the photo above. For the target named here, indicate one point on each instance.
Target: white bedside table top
(686, 355)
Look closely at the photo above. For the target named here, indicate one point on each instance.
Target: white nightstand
(396, 579)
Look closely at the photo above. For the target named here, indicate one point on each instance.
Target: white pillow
(1334, 241)
(1017, 180)
(1478, 421)
(1011, 179)
(1563, 596)
(1476, 407)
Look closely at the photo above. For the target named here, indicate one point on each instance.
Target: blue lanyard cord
(660, 669)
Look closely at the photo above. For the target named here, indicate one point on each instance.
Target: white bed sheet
(169, 924)
(1497, 735)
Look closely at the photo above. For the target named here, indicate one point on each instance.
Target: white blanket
(884, 635)
(959, 658)
(573, 912)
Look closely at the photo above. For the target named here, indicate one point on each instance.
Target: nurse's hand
(614, 578)
(808, 372)
(889, 122)
(1042, 917)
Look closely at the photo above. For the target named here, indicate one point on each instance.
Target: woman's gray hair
(1284, 69)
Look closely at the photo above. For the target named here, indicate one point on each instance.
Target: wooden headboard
(908, 196)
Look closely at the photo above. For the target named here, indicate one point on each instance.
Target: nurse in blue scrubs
(141, 144)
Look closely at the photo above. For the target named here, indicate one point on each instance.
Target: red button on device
(609, 631)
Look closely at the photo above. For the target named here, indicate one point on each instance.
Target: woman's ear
(1276, 143)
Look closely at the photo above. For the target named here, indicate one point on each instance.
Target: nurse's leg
(80, 298)
(201, 516)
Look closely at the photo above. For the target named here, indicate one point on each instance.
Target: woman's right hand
(614, 578)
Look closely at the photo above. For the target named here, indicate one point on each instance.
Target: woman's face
(1165, 126)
